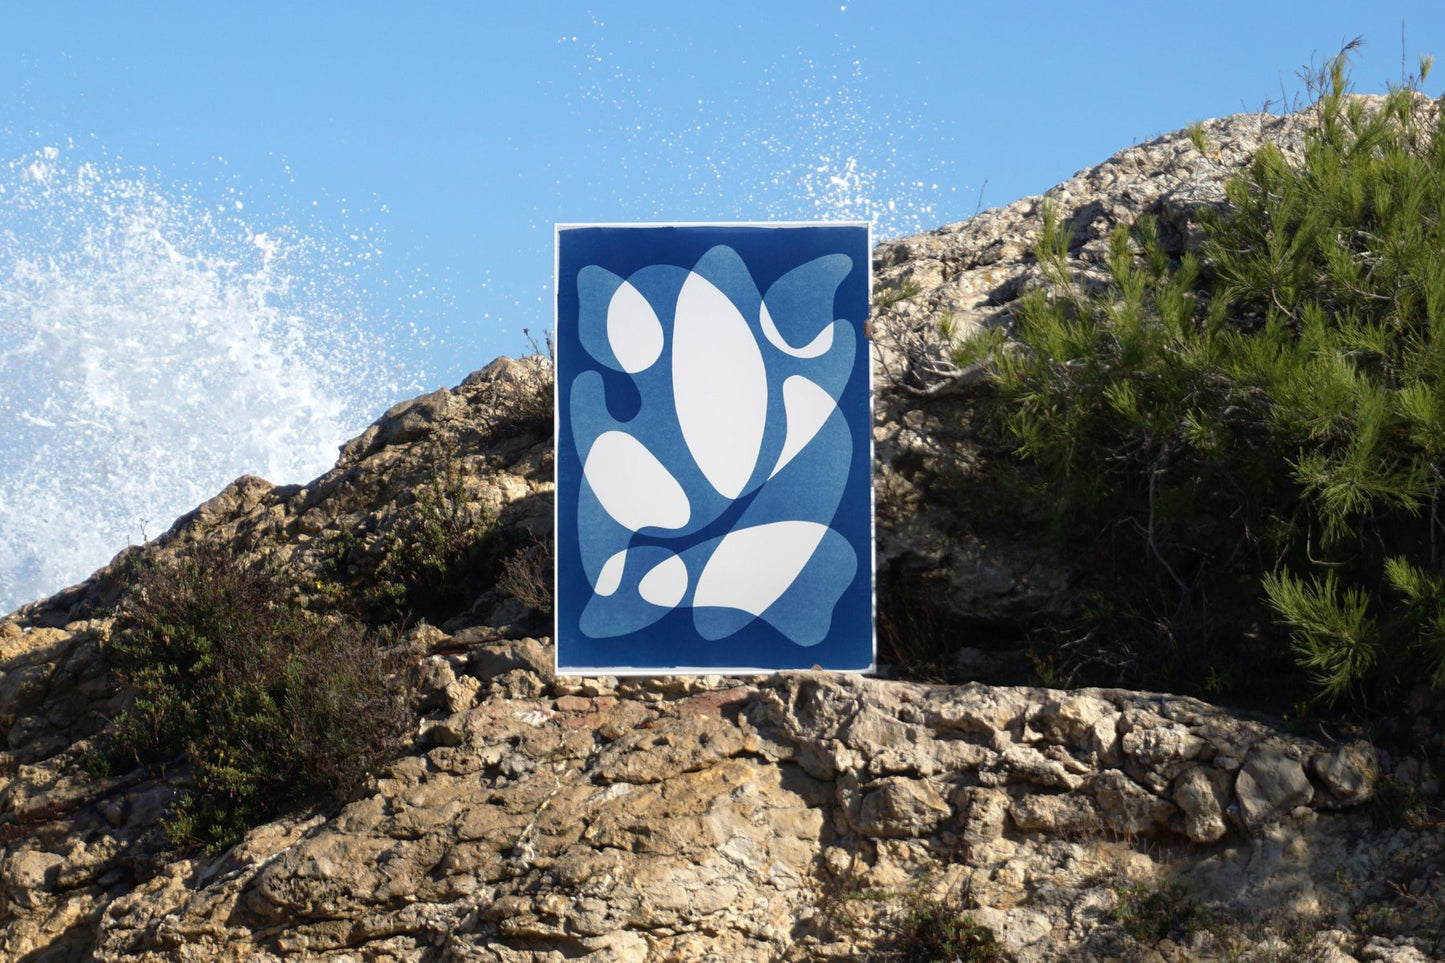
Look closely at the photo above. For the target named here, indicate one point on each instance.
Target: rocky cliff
(804, 816)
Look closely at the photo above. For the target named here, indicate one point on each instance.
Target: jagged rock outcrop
(797, 817)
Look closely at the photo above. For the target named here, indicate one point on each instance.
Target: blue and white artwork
(714, 492)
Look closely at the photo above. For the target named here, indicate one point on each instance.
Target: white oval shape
(633, 331)
(719, 385)
(611, 575)
(634, 487)
(665, 584)
(806, 406)
(819, 346)
(752, 567)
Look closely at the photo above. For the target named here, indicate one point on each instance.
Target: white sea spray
(152, 348)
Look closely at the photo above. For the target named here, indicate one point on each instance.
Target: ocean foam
(153, 348)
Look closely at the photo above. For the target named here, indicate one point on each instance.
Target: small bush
(1152, 914)
(443, 553)
(265, 705)
(934, 932)
(527, 577)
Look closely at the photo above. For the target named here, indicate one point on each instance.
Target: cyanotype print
(714, 507)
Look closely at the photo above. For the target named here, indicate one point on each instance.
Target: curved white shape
(807, 406)
(632, 485)
(719, 385)
(610, 577)
(665, 584)
(817, 347)
(752, 567)
(633, 331)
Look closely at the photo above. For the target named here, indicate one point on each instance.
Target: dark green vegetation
(251, 703)
(442, 554)
(1151, 914)
(934, 932)
(443, 551)
(1147, 914)
(1245, 448)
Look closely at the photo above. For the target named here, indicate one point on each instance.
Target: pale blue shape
(625, 611)
(595, 287)
(801, 301)
(810, 487)
(804, 612)
(605, 537)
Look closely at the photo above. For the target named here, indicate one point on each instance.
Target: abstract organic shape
(716, 451)
(751, 567)
(633, 330)
(611, 575)
(804, 613)
(665, 583)
(626, 610)
(813, 349)
(807, 407)
(633, 486)
(595, 288)
(719, 384)
(802, 301)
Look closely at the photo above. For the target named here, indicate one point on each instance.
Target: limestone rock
(1128, 807)
(1161, 746)
(1062, 813)
(899, 807)
(1201, 797)
(1269, 785)
(1349, 772)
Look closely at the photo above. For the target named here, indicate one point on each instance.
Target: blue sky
(449, 137)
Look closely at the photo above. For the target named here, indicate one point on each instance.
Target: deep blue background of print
(672, 642)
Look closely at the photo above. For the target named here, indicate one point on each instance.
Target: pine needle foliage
(1247, 447)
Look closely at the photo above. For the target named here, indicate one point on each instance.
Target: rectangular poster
(714, 449)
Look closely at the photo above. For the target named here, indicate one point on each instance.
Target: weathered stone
(30, 876)
(1128, 807)
(669, 748)
(1062, 813)
(1161, 746)
(1104, 741)
(979, 710)
(983, 813)
(1349, 772)
(1069, 718)
(788, 818)
(1202, 799)
(1026, 764)
(1269, 785)
(899, 807)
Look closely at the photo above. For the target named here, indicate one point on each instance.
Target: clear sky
(449, 137)
(233, 233)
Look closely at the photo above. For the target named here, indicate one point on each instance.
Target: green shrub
(444, 551)
(934, 932)
(253, 704)
(1245, 449)
(1151, 914)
